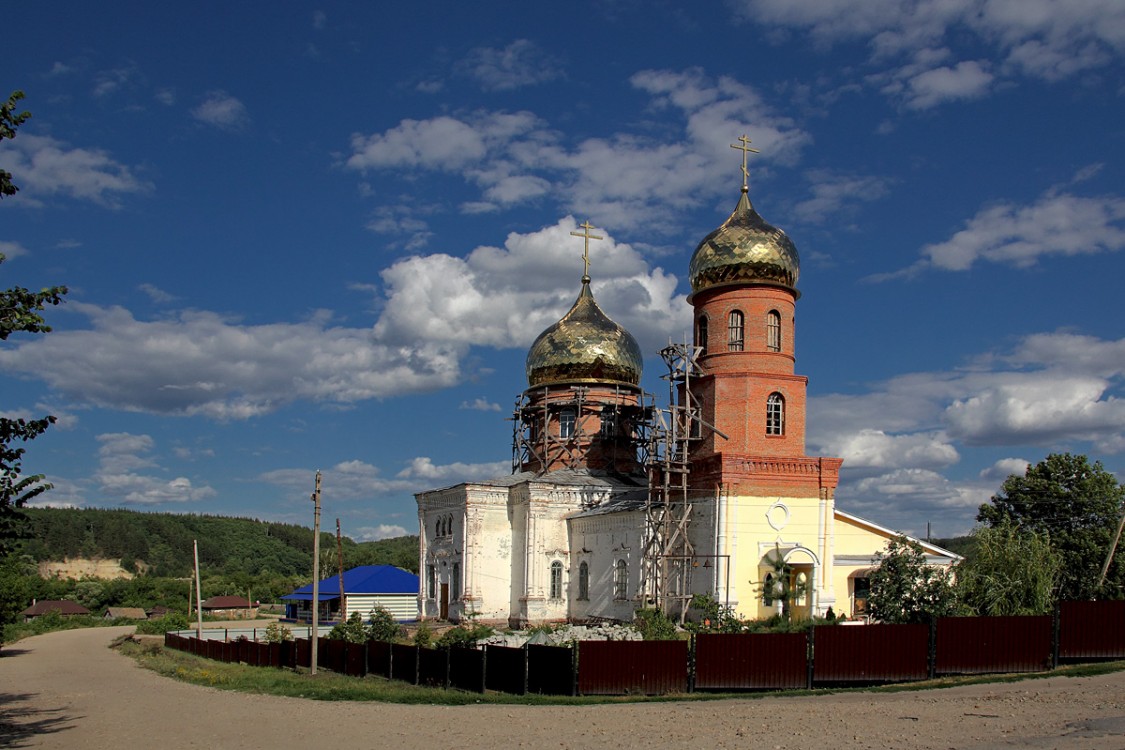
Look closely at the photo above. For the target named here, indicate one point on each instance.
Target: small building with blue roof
(365, 589)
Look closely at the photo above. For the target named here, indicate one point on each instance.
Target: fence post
(574, 668)
(1056, 621)
(448, 665)
(691, 662)
(417, 665)
(931, 650)
(810, 657)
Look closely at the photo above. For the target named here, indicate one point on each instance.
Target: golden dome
(744, 250)
(584, 347)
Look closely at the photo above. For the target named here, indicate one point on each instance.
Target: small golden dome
(744, 250)
(584, 347)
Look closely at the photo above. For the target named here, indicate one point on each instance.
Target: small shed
(365, 588)
(229, 608)
(62, 606)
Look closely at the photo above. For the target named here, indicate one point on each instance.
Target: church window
(431, 581)
(556, 580)
(621, 580)
(609, 422)
(584, 582)
(455, 582)
(861, 591)
(735, 326)
(449, 525)
(701, 335)
(773, 331)
(439, 527)
(775, 414)
(566, 423)
(767, 590)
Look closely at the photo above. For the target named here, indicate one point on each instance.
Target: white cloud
(506, 296)
(156, 294)
(109, 82)
(47, 166)
(1050, 390)
(1005, 467)
(12, 250)
(521, 63)
(1056, 224)
(968, 79)
(423, 468)
(122, 456)
(198, 363)
(382, 531)
(480, 404)
(221, 110)
(833, 192)
(621, 181)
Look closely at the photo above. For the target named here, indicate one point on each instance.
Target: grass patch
(328, 686)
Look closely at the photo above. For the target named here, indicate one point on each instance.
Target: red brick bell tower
(744, 294)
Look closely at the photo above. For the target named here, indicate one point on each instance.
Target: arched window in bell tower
(701, 334)
(773, 331)
(775, 414)
(736, 325)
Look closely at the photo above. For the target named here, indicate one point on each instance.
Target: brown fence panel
(433, 667)
(379, 658)
(870, 653)
(332, 654)
(505, 669)
(466, 669)
(550, 670)
(302, 653)
(751, 661)
(621, 667)
(404, 663)
(355, 659)
(241, 649)
(1092, 630)
(977, 645)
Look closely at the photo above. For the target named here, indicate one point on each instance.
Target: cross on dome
(586, 226)
(744, 147)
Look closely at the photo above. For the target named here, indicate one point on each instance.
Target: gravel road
(67, 690)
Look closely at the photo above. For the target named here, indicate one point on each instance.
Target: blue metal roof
(366, 579)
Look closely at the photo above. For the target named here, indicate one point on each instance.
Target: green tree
(9, 121)
(19, 311)
(906, 589)
(1011, 571)
(382, 626)
(1074, 503)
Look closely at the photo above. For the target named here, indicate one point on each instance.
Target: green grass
(328, 686)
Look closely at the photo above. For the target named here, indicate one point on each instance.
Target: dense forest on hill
(160, 544)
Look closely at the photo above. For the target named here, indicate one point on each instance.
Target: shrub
(161, 625)
(423, 636)
(381, 626)
(277, 633)
(351, 631)
(654, 625)
(465, 635)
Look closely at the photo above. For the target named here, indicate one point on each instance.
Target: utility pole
(340, 560)
(315, 637)
(198, 595)
(1112, 548)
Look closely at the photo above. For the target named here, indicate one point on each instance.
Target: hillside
(161, 543)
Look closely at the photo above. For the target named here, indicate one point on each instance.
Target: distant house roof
(133, 613)
(226, 602)
(62, 606)
(366, 579)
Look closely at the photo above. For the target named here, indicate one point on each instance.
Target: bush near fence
(826, 655)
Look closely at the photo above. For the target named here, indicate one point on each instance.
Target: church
(615, 503)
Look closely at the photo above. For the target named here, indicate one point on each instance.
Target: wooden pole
(198, 594)
(315, 635)
(1112, 549)
(340, 561)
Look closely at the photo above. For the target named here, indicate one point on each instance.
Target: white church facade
(614, 504)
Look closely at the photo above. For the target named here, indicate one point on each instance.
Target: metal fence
(825, 655)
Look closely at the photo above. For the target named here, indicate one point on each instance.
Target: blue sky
(322, 235)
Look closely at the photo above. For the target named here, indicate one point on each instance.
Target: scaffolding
(669, 555)
(621, 439)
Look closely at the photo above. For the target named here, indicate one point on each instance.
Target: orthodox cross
(586, 226)
(744, 147)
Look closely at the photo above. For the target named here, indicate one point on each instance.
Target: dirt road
(67, 690)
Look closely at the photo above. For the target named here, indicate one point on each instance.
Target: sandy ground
(67, 690)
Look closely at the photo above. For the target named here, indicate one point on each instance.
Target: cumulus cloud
(49, 167)
(1039, 38)
(221, 110)
(423, 468)
(1058, 223)
(123, 457)
(480, 404)
(382, 531)
(198, 363)
(521, 63)
(12, 249)
(833, 193)
(622, 180)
